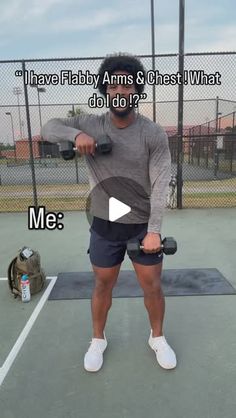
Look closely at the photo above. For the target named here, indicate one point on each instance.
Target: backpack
(27, 261)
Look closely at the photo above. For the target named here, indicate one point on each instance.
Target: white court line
(24, 333)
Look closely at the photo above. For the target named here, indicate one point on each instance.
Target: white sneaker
(93, 359)
(164, 353)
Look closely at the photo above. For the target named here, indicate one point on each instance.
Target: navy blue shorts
(107, 253)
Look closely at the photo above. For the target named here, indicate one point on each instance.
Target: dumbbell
(168, 246)
(67, 149)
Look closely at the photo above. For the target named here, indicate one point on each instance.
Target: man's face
(124, 90)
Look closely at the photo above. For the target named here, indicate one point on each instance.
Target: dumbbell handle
(142, 247)
(168, 245)
(76, 149)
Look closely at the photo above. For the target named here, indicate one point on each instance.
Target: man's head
(120, 65)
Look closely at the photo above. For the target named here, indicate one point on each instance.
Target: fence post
(189, 145)
(198, 151)
(153, 61)
(76, 168)
(215, 142)
(192, 147)
(180, 107)
(231, 156)
(30, 138)
(207, 151)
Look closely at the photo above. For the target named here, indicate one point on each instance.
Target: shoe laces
(160, 344)
(95, 346)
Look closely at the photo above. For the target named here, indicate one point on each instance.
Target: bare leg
(102, 297)
(149, 279)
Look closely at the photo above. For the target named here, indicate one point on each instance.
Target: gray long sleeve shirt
(140, 152)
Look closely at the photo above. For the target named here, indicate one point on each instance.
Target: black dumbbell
(103, 144)
(168, 246)
(67, 149)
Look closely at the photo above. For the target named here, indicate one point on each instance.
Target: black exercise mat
(181, 282)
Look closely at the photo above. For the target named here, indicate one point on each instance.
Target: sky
(38, 29)
(82, 28)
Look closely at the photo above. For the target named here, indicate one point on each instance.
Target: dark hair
(122, 62)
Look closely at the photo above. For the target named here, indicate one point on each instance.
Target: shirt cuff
(154, 229)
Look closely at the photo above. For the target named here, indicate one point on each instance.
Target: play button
(117, 209)
(117, 200)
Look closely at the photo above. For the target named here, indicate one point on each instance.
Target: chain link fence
(33, 173)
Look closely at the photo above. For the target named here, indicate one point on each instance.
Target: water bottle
(25, 288)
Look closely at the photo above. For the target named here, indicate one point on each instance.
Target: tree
(74, 112)
(5, 146)
(230, 128)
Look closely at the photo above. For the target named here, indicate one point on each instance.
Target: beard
(122, 112)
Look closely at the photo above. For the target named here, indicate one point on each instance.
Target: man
(140, 152)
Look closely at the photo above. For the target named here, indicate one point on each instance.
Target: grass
(211, 184)
(44, 188)
(214, 200)
(190, 200)
(52, 204)
(214, 195)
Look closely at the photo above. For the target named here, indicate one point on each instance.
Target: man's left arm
(159, 174)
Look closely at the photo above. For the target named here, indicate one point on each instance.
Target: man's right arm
(70, 129)
(67, 129)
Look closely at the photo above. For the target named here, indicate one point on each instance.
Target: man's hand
(151, 243)
(85, 144)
